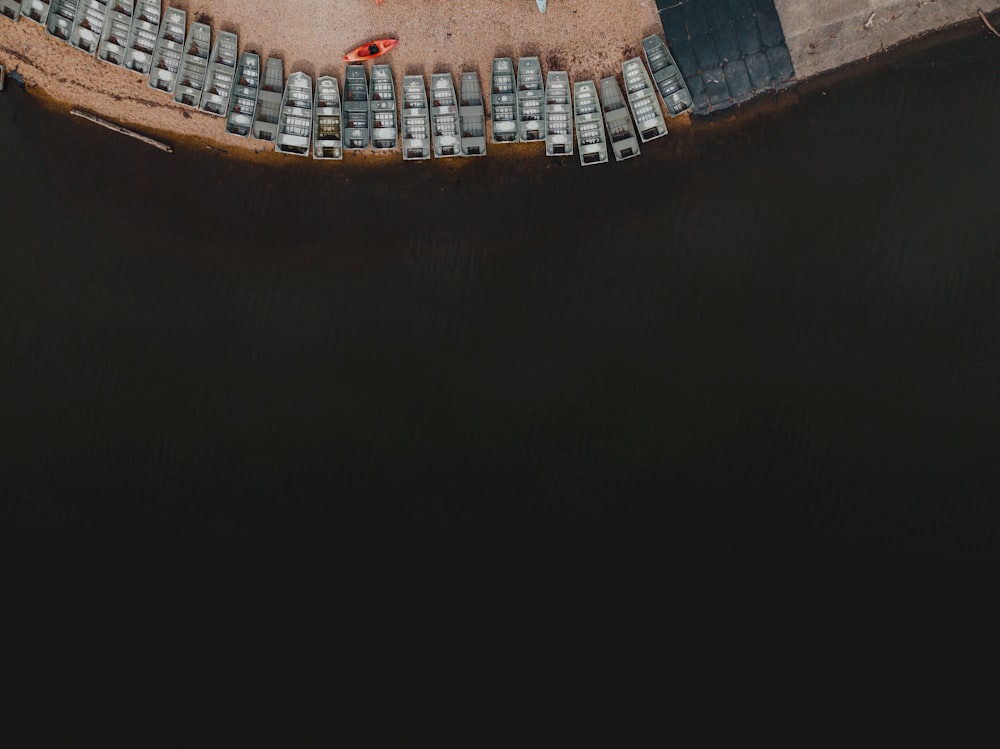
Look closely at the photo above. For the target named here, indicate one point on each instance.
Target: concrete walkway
(825, 35)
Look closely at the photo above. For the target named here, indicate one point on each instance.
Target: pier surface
(825, 35)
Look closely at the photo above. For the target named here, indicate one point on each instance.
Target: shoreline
(124, 97)
(452, 37)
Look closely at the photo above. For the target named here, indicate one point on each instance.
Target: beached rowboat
(221, 74)
(385, 132)
(328, 120)
(503, 101)
(621, 131)
(243, 102)
(416, 119)
(295, 118)
(667, 76)
(62, 13)
(114, 35)
(357, 109)
(167, 53)
(643, 101)
(11, 9)
(371, 50)
(36, 10)
(590, 136)
(194, 65)
(272, 90)
(88, 25)
(530, 99)
(558, 115)
(444, 116)
(472, 115)
(143, 36)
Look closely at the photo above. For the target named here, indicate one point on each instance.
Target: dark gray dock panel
(728, 50)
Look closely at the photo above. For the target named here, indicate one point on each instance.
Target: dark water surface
(787, 328)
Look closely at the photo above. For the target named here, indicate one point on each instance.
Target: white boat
(503, 101)
(357, 109)
(167, 53)
(541, 5)
(472, 115)
(243, 102)
(558, 114)
(11, 9)
(269, 96)
(327, 120)
(385, 132)
(295, 118)
(88, 25)
(143, 36)
(194, 65)
(221, 75)
(114, 35)
(643, 101)
(621, 131)
(530, 99)
(36, 10)
(444, 116)
(416, 119)
(590, 135)
(62, 13)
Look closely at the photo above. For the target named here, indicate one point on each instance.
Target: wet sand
(589, 40)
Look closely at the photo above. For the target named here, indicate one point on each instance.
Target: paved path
(828, 34)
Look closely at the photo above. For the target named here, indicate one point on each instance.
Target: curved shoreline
(63, 78)
(588, 41)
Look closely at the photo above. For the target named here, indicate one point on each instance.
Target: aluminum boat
(558, 114)
(416, 119)
(272, 89)
(143, 36)
(243, 102)
(530, 99)
(357, 109)
(36, 10)
(194, 65)
(444, 116)
(667, 76)
(168, 50)
(295, 117)
(621, 131)
(643, 101)
(327, 120)
(385, 131)
(590, 135)
(88, 25)
(503, 101)
(114, 35)
(221, 74)
(472, 115)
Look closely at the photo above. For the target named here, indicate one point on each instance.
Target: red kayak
(370, 50)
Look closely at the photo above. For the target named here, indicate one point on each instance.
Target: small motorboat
(370, 50)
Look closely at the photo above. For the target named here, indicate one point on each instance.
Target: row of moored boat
(303, 120)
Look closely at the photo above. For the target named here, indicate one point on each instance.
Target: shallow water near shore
(784, 328)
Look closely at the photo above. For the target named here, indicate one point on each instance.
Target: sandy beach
(588, 40)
